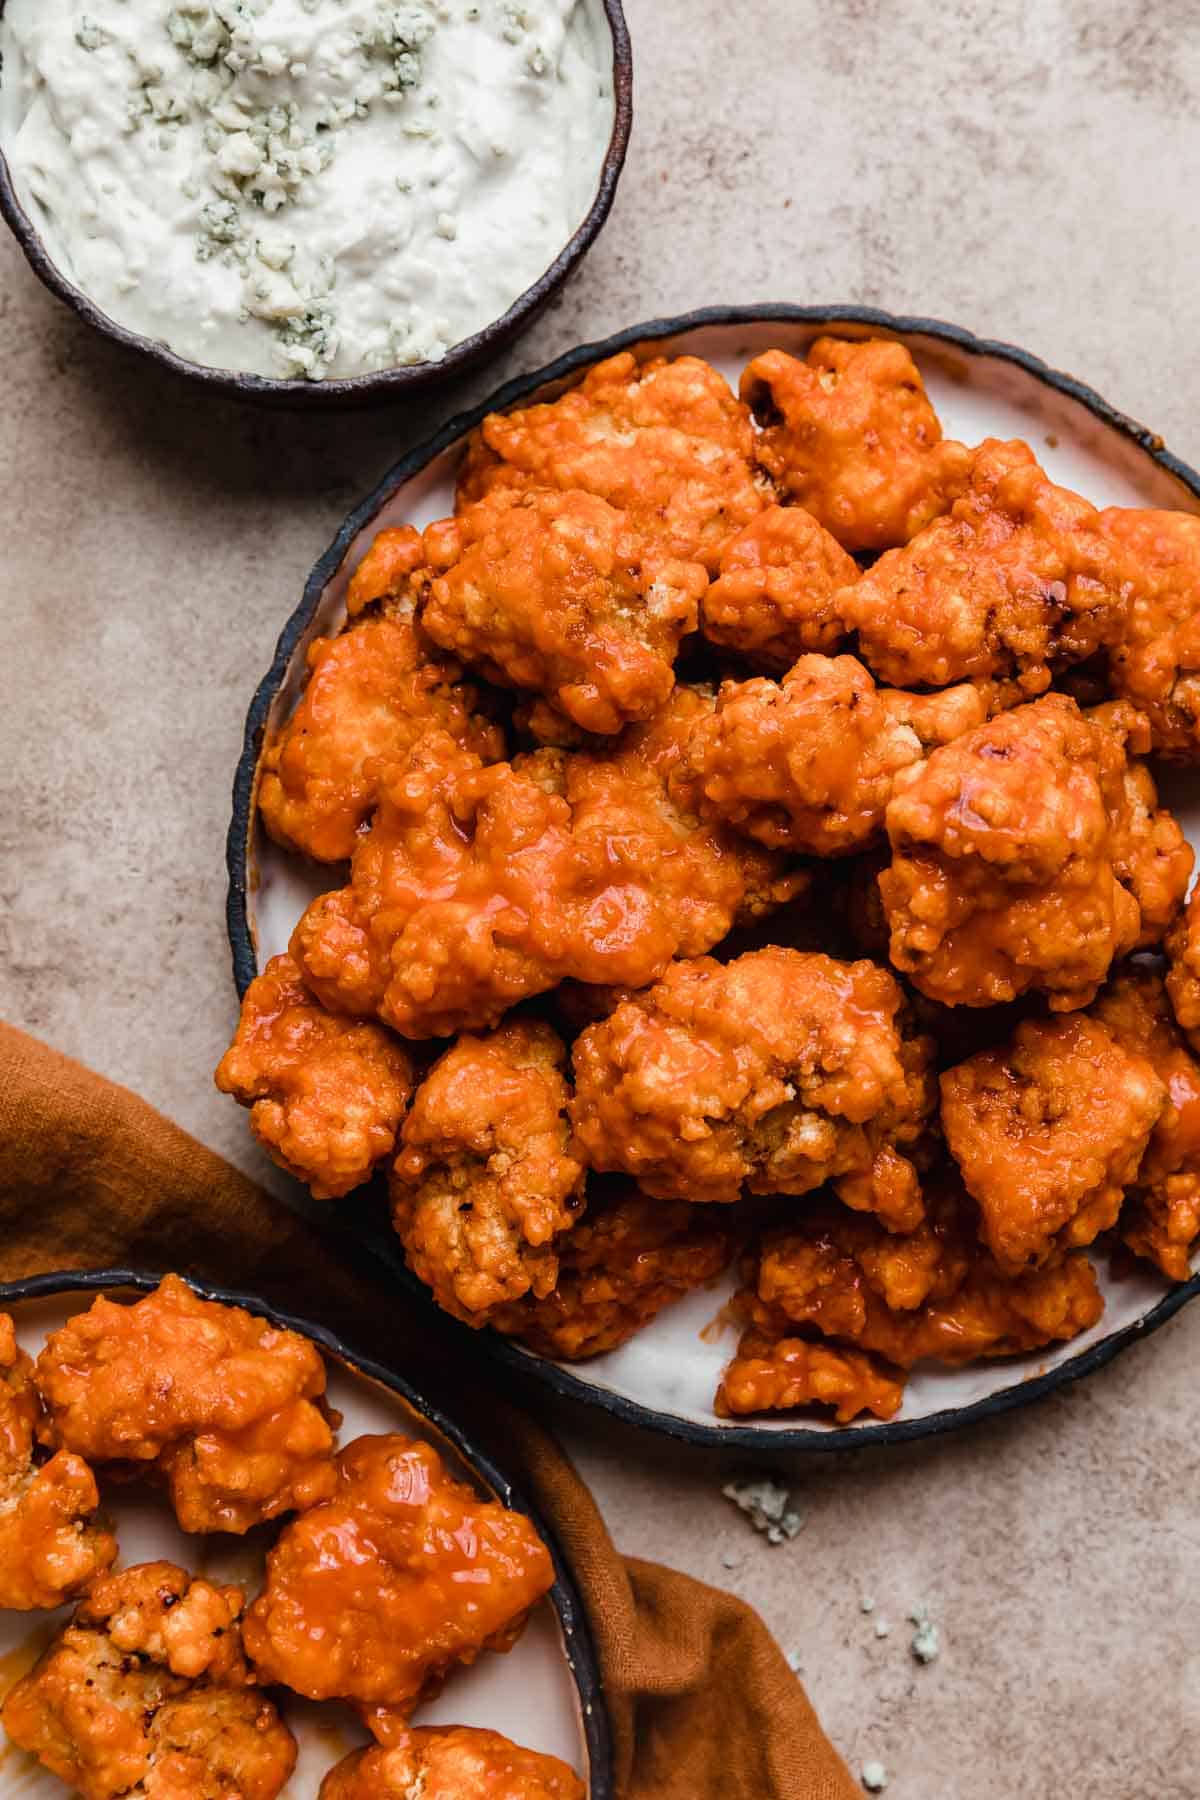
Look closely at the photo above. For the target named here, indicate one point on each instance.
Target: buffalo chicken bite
(477, 888)
(1155, 659)
(772, 1074)
(934, 1295)
(1013, 584)
(1019, 853)
(1182, 946)
(485, 1181)
(665, 441)
(452, 1762)
(562, 595)
(146, 1691)
(1048, 1132)
(372, 691)
(375, 1595)
(326, 1093)
(629, 1258)
(1160, 1219)
(51, 1544)
(808, 764)
(774, 599)
(225, 1408)
(849, 434)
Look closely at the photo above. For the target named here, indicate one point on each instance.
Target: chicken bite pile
(818, 911)
(387, 1573)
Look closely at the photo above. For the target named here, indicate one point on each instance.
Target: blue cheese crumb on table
(304, 188)
(874, 1777)
(768, 1506)
(926, 1639)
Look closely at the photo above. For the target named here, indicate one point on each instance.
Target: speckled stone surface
(1024, 169)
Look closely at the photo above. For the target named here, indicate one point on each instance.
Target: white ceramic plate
(543, 1694)
(667, 1376)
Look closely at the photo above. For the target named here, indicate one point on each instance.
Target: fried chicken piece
(1015, 583)
(326, 1093)
(378, 1593)
(666, 441)
(771, 1074)
(933, 1295)
(224, 1407)
(485, 1182)
(629, 1259)
(774, 598)
(374, 690)
(1160, 1220)
(1155, 661)
(1048, 1132)
(1018, 860)
(1182, 946)
(147, 1690)
(477, 888)
(562, 595)
(451, 1762)
(1151, 856)
(51, 1545)
(781, 1374)
(850, 435)
(808, 764)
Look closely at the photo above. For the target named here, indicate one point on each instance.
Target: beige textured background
(1027, 170)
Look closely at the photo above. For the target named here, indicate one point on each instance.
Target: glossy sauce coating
(377, 1593)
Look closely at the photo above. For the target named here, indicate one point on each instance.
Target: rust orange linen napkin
(703, 1705)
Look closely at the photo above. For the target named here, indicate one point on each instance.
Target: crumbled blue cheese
(768, 1507)
(874, 1777)
(304, 187)
(926, 1639)
(882, 1628)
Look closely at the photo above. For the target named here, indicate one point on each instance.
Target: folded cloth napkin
(702, 1703)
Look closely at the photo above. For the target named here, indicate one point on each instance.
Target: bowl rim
(578, 1643)
(562, 1380)
(374, 384)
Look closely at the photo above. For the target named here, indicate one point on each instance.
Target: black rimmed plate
(666, 1378)
(605, 20)
(545, 1693)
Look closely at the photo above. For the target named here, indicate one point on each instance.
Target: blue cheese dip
(305, 188)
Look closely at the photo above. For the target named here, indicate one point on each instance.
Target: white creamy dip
(304, 188)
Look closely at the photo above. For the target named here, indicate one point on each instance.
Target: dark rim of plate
(382, 384)
(568, 1382)
(578, 1644)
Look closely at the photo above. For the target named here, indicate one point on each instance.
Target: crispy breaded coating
(394, 569)
(629, 1258)
(51, 1544)
(451, 1762)
(146, 1691)
(1017, 860)
(405, 1573)
(563, 596)
(1015, 583)
(1048, 1132)
(666, 441)
(485, 1182)
(774, 598)
(934, 1295)
(807, 764)
(1155, 660)
(770, 1373)
(850, 435)
(771, 1074)
(372, 691)
(477, 888)
(1151, 856)
(1160, 1219)
(326, 1093)
(1182, 946)
(226, 1408)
